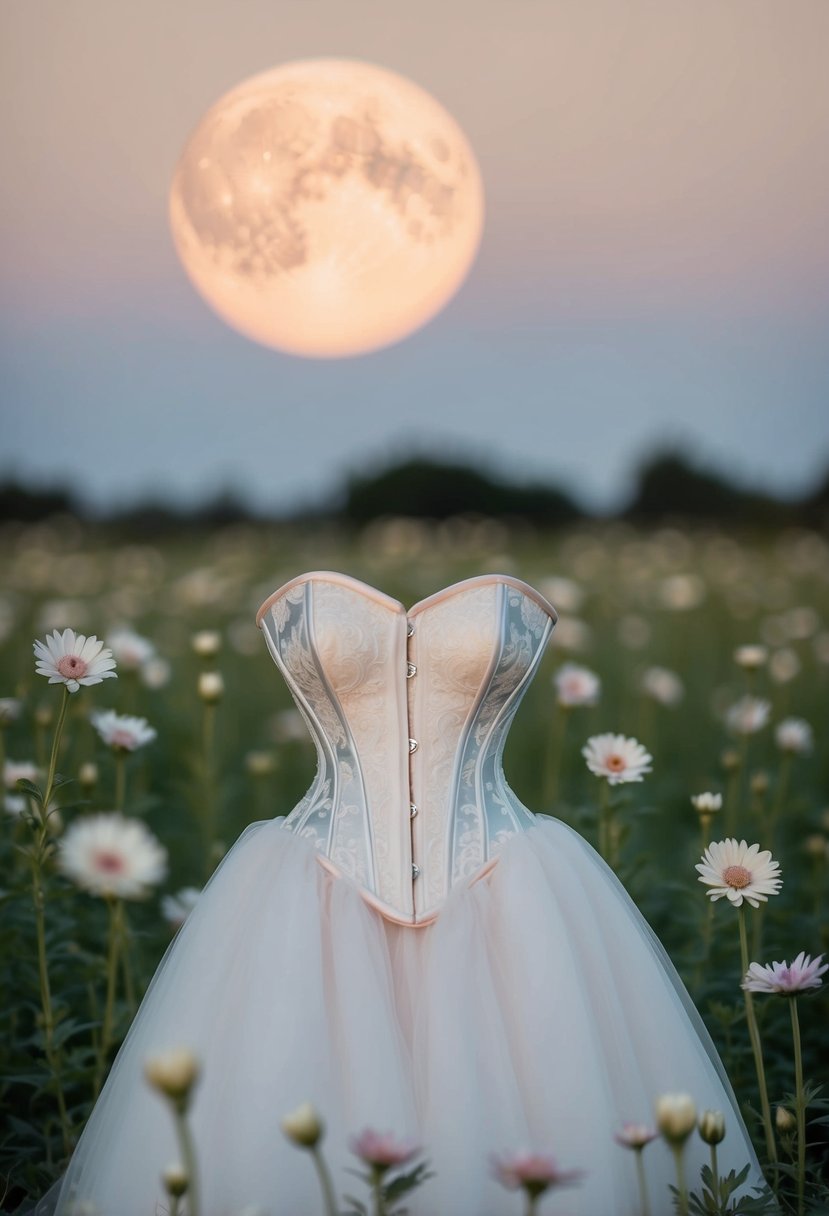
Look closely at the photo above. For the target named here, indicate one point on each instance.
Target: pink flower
(635, 1135)
(784, 978)
(381, 1151)
(535, 1172)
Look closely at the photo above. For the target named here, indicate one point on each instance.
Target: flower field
(681, 704)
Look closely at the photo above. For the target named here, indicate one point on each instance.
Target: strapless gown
(411, 949)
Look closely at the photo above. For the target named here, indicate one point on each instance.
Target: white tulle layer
(538, 1011)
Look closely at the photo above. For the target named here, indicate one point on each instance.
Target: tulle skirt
(538, 1011)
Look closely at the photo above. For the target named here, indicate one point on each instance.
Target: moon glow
(327, 207)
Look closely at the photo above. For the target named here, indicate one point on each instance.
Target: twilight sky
(654, 268)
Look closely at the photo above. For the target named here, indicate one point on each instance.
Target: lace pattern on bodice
(409, 714)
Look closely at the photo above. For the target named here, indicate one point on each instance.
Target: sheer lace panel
(409, 716)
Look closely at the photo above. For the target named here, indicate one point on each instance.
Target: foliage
(634, 599)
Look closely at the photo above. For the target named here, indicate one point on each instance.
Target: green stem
(53, 759)
(780, 795)
(188, 1160)
(643, 1183)
(52, 1055)
(208, 761)
(754, 1035)
(715, 1173)
(555, 757)
(115, 938)
(801, 1107)
(604, 816)
(326, 1185)
(379, 1206)
(126, 963)
(682, 1186)
(120, 779)
(531, 1203)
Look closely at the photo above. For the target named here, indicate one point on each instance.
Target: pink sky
(644, 160)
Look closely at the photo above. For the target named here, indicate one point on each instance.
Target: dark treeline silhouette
(669, 488)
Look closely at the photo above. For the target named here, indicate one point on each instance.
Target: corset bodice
(409, 712)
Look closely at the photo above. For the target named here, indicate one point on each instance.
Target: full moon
(327, 207)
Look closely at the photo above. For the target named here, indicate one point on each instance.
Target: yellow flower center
(737, 876)
(72, 667)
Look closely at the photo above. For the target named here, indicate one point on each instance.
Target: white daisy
(73, 659)
(748, 715)
(706, 804)
(19, 770)
(794, 735)
(616, 758)
(663, 686)
(733, 869)
(784, 978)
(576, 686)
(750, 658)
(130, 649)
(111, 855)
(176, 908)
(9, 710)
(123, 732)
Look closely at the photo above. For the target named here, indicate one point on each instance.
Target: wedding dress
(411, 949)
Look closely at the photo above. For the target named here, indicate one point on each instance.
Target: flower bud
(750, 658)
(816, 845)
(260, 764)
(676, 1117)
(173, 1074)
(211, 687)
(706, 804)
(730, 760)
(712, 1126)
(303, 1126)
(759, 783)
(88, 776)
(206, 643)
(784, 1120)
(176, 1180)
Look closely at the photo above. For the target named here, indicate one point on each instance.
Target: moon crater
(327, 207)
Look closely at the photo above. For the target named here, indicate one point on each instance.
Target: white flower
(750, 658)
(564, 594)
(73, 659)
(784, 665)
(572, 634)
(634, 1135)
(794, 735)
(712, 1126)
(176, 1179)
(617, 758)
(176, 908)
(123, 732)
(303, 1126)
(679, 592)
(785, 979)
(111, 855)
(288, 726)
(676, 1116)
(173, 1073)
(706, 804)
(206, 643)
(663, 686)
(19, 770)
(130, 649)
(748, 715)
(9, 710)
(211, 687)
(733, 869)
(576, 686)
(155, 673)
